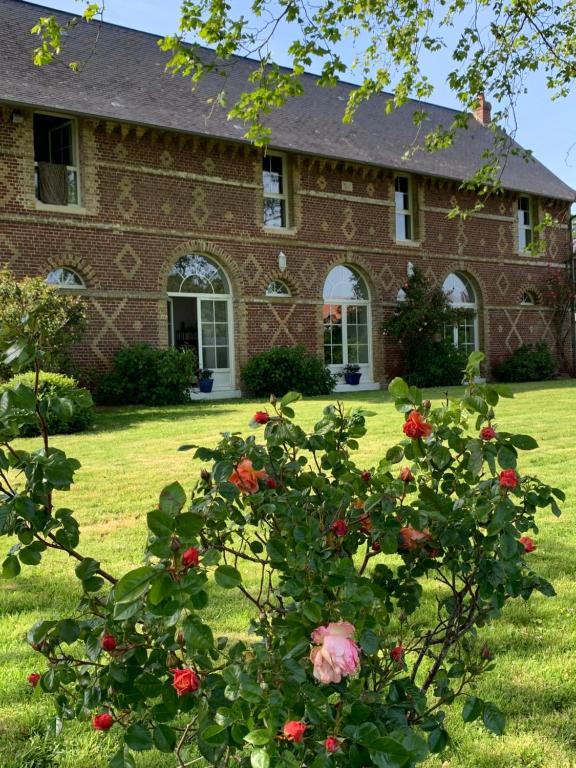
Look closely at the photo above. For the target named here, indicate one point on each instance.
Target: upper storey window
(56, 159)
(525, 235)
(404, 208)
(275, 183)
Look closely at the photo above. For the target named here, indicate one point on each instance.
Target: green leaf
(215, 735)
(138, 738)
(260, 759)
(259, 737)
(312, 612)
(494, 720)
(160, 522)
(10, 567)
(472, 709)
(189, 524)
(290, 397)
(437, 740)
(507, 457)
(524, 442)
(30, 555)
(162, 585)
(172, 499)
(122, 759)
(387, 753)
(164, 738)
(398, 388)
(395, 454)
(227, 577)
(87, 568)
(133, 584)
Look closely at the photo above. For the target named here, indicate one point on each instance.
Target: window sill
(408, 243)
(279, 230)
(76, 209)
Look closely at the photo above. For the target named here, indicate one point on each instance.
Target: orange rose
(416, 427)
(246, 477)
(412, 539)
(185, 681)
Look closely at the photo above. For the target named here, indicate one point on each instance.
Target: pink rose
(487, 433)
(332, 744)
(335, 653)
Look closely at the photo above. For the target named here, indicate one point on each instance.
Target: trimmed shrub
(142, 375)
(285, 369)
(530, 362)
(437, 364)
(76, 414)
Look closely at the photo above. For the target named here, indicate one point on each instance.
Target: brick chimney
(482, 113)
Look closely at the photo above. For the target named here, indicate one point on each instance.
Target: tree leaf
(138, 738)
(133, 584)
(398, 388)
(227, 577)
(172, 499)
(472, 709)
(494, 719)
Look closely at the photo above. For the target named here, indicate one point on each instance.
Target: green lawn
(131, 455)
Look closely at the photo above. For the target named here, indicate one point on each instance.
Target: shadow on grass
(115, 419)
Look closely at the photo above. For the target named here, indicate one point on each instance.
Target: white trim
(282, 196)
(407, 213)
(77, 206)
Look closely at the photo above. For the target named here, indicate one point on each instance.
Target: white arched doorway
(347, 322)
(464, 332)
(200, 315)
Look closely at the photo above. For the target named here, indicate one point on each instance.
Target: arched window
(346, 320)
(200, 315)
(64, 277)
(277, 288)
(464, 332)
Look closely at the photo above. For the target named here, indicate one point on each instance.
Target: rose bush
(340, 666)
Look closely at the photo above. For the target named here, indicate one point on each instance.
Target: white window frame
(407, 213)
(271, 294)
(76, 156)
(282, 196)
(472, 307)
(525, 232)
(65, 286)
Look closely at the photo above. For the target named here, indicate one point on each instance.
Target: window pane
(343, 283)
(221, 334)
(65, 278)
(274, 212)
(209, 357)
(222, 357)
(208, 335)
(363, 354)
(272, 175)
(403, 227)
(207, 311)
(221, 311)
(458, 290)
(277, 288)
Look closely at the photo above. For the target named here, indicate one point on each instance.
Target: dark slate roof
(124, 79)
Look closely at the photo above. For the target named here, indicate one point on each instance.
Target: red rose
(397, 654)
(108, 642)
(103, 722)
(366, 476)
(376, 547)
(406, 475)
(185, 681)
(294, 731)
(487, 433)
(416, 427)
(528, 544)
(508, 478)
(34, 679)
(270, 482)
(339, 527)
(332, 744)
(190, 558)
(261, 417)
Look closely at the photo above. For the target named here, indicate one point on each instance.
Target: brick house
(125, 185)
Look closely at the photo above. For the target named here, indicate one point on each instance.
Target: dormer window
(275, 183)
(524, 223)
(55, 160)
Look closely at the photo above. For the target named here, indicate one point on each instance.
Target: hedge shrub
(530, 362)
(285, 369)
(60, 420)
(142, 375)
(437, 364)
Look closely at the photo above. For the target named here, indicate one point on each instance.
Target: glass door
(214, 339)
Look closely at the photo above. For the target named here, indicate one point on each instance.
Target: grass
(131, 455)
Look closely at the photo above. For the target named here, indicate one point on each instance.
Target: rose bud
(108, 643)
(180, 638)
(332, 744)
(270, 482)
(103, 722)
(397, 654)
(486, 653)
(294, 731)
(261, 417)
(508, 478)
(426, 404)
(190, 558)
(487, 433)
(34, 679)
(376, 547)
(339, 527)
(273, 399)
(528, 544)
(185, 681)
(406, 475)
(204, 475)
(175, 544)
(366, 476)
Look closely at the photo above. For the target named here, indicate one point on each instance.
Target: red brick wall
(148, 197)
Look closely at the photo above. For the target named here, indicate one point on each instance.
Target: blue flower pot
(205, 385)
(352, 378)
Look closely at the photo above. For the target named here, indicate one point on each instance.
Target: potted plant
(352, 374)
(205, 380)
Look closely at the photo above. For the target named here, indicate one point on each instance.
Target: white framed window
(56, 159)
(464, 332)
(275, 184)
(64, 277)
(347, 321)
(525, 235)
(403, 208)
(277, 288)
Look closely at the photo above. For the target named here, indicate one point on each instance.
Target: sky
(546, 127)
